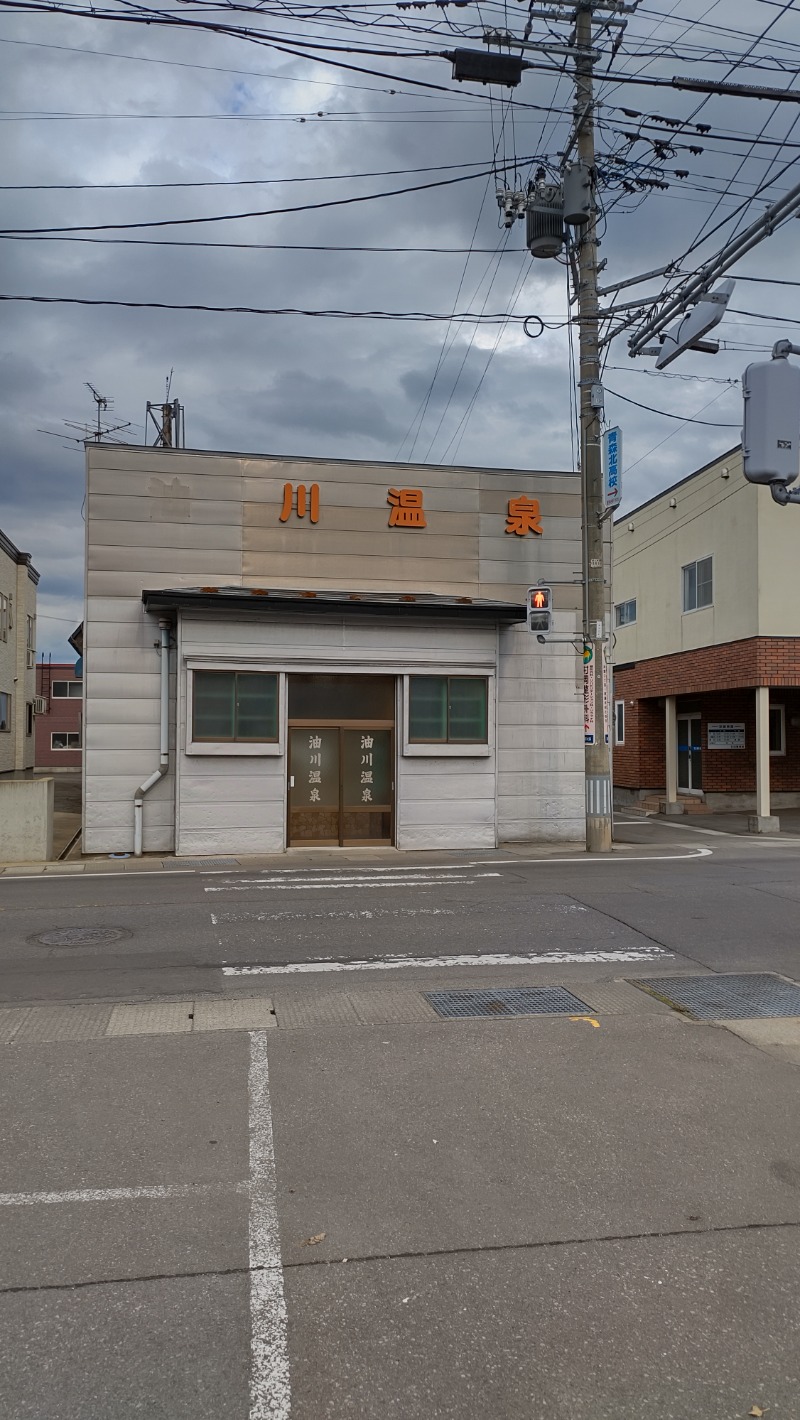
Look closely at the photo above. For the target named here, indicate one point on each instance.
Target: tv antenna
(98, 433)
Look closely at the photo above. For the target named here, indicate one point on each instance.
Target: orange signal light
(539, 600)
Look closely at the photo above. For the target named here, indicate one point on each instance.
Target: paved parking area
(538, 1217)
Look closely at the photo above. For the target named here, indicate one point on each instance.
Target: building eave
(271, 601)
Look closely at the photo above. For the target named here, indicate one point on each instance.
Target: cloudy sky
(110, 125)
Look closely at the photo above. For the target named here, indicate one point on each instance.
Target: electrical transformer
(545, 220)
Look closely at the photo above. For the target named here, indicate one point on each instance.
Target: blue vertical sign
(612, 467)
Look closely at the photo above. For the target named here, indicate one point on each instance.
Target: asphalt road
(184, 931)
(369, 1211)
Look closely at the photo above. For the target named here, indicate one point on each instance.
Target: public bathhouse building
(282, 652)
(707, 646)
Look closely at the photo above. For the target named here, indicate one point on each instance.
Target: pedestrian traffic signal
(540, 610)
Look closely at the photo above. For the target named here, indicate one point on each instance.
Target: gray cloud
(297, 385)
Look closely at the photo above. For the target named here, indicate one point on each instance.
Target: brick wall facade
(61, 715)
(718, 683)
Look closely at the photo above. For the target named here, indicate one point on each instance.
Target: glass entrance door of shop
(341, 763)
(690, 754)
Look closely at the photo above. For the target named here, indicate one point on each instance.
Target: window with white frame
(448, 709)
(698, 584)
(5, 711)
(619, 722)
(625, 613)
(30, 642)
(234, 707)
(777, 729)
(65, 739)
(5, 617)
(67, 689)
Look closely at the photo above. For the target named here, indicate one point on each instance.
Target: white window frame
(687, 610)
(620, 625)
(619, 706)
(259, 749)
(5, 619)
(30, 642)
(70, 695)
(67, 748)
(780, 753)
(414, 749)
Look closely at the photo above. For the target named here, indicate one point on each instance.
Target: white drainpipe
(138, 802)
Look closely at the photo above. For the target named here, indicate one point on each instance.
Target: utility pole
(549, 208)
(597, 758)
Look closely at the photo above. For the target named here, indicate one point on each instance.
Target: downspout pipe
(163, 766)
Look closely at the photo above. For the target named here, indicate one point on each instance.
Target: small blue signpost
(612, 467)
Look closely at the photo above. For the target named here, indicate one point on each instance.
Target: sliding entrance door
(341, 765)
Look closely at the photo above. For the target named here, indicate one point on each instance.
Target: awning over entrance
(261, 600)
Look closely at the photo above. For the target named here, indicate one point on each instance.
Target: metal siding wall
(171, 518)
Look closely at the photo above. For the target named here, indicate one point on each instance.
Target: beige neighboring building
(284, 652)
(18, 583)
(707, 645)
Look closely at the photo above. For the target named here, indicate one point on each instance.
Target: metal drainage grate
(727, 997)
(201, 863)
(512, 1001)
(81, 936)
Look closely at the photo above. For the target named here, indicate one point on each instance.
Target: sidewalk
(540, 1217)
(292, 859)
(721, 821)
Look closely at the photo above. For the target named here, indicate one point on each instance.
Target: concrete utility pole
(598, 765)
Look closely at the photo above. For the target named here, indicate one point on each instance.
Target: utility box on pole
(771, 433)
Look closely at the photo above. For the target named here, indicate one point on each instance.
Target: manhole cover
(81, 936)
(510, 1001)
(728, 997)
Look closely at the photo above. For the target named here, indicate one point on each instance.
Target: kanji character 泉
(406, 505)
(524, 516)
(313, 797)
(301, 501)
(366, 796)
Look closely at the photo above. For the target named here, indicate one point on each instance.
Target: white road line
(271, 885)
(486, 959)
(595, 859)
(270, 1393)
(121, 1195)
(387, 875)
(369, 915)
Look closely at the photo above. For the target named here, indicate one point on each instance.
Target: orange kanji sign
(311, 503)
(524, 516)
(407, 510)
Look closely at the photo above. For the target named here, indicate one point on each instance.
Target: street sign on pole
(588, 694)
(612, 467)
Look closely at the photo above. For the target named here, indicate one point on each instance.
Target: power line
(239, 216)
(229, 182)
(554, 322)
(666, 413)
